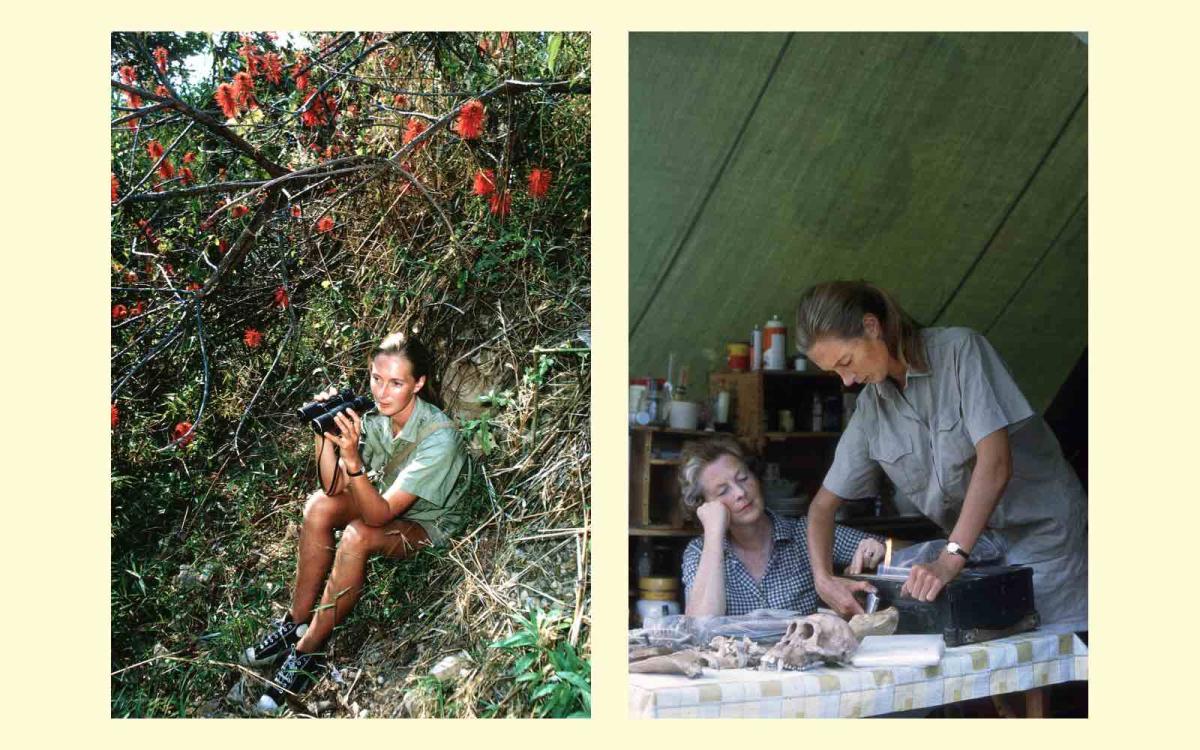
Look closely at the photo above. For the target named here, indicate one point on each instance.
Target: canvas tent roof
(950, 168)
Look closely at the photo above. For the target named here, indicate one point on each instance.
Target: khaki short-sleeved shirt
(425, 459)
(923, 439)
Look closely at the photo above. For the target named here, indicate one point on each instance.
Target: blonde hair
(419, 358)
(697, 456)
(836, 308)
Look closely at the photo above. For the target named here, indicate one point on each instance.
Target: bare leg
(398, 539)
(323, 514)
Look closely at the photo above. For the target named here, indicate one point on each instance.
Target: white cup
(684, 415)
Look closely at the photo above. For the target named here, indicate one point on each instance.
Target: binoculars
(319, 414)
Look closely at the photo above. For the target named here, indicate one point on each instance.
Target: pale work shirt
(426, 459)
(923, 439)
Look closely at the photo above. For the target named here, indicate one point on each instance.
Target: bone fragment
(883, 622)
(688, 663)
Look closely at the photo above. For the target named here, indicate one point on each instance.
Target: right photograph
(858, 389)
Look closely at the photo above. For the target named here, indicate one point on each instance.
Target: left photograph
(350, 366)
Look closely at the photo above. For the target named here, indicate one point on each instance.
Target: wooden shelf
(666, 462)
(664, 531)
(800, 435)
(671, 431)
(782, 373)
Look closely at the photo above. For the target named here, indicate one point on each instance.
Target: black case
(979, 605)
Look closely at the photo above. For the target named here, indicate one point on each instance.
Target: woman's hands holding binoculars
(349, 424)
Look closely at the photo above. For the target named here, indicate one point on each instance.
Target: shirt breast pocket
(894, 453)
(953, 456)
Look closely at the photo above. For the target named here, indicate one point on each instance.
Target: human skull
(810, 641)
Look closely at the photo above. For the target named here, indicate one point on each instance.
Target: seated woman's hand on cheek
(714, 517)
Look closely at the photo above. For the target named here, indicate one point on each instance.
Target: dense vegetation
(279, 204)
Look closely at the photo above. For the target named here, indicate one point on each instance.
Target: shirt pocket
(894, 453)
(953, 456)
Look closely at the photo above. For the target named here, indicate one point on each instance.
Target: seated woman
(397, 492)
(750, 558)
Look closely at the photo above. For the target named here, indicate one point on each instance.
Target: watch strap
(955, 548)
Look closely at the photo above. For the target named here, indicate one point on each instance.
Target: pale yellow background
(1144, 333)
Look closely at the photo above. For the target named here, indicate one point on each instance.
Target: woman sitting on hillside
(394, 493)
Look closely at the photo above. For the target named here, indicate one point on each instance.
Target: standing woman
(393, 492)
(941, 415)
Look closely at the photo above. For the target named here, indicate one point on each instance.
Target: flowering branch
(208, 122)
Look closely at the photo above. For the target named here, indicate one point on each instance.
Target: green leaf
(516, 639)
(544, 690)
(577, 681)
(523, 663)
(552, 49)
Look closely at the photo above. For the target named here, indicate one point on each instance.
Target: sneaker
(298, 673)
(282, 635)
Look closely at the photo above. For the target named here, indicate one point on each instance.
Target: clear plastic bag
(764, 626)
(990, 549)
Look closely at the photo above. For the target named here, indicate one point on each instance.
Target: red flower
(273, 68)
(148, 231)
(243, 90)
(133, 124)
(155, 149)
(193, 286)
(161, 90)
(252, 338)
(223, 246)
(189, 157)
(128, 75)
(138, 308)
(485, 182)
(299, 73)
(415, 127)
(484, 46)
(183, 434)
(115, 186)
(119, 312)
(325, 224)
(505, 39)
(539, 182)
(296, 212)
(130, 277)
(400, 100)
(226, 100)
(185, 176)
(320, 110)
(501, 203)
(281, 298)
(470, 119)
(116, 416)
(239, 211)
(166, 170)
(249, 53)
(134, 100)
(160, 58)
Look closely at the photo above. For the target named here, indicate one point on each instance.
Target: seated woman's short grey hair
(696, 456)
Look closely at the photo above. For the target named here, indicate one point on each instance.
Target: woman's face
(728, 481)
(392, 384)
(858, 360)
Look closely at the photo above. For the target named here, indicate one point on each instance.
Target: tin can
(774, 344)
(738, 356)
(756, 350)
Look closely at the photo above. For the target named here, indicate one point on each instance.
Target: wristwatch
(361, 470)
(955, 549)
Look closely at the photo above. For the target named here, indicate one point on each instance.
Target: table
(1024, 662)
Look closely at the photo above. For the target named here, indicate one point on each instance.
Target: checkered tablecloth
(1004, 665)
